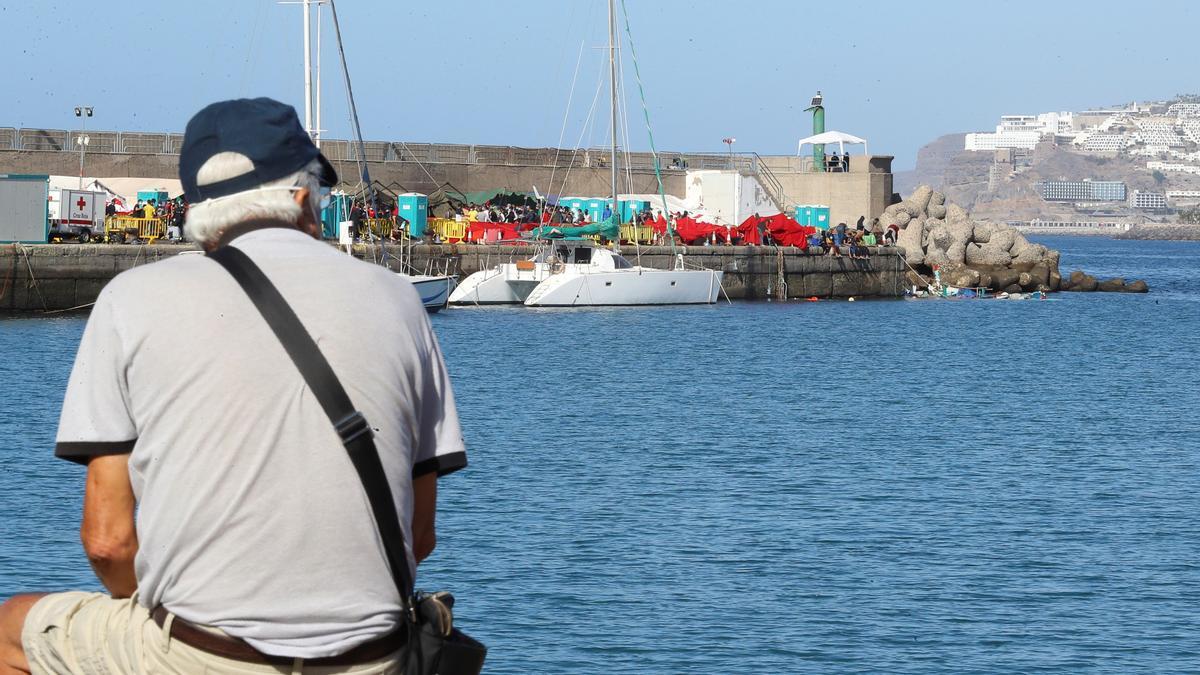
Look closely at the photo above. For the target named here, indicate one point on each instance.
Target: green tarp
(609, 229)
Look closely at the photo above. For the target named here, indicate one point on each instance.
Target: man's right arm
(109, 533)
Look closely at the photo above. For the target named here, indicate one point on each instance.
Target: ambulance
(76, 214)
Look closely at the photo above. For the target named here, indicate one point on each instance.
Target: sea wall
(64, 276)
(1164, 231)
(863, 192)
(397, 176)
(751, 272)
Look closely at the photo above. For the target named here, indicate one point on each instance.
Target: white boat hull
(497, 286)
(633, 286)
(434, 290)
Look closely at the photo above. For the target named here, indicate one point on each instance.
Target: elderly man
(253, 548)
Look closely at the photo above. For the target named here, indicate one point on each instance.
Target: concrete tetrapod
(935, 233)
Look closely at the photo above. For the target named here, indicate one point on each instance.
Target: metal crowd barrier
(642, 234)
(379, 227)
(449, 230)
(121, 228)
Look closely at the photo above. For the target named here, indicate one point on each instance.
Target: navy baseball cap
(265, 131)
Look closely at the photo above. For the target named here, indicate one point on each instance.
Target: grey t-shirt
(251, 517)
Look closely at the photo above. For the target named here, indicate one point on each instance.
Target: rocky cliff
(964, 178)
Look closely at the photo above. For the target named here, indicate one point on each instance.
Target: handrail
(771, 182)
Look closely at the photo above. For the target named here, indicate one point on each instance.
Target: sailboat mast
(612, 81)
(308, 93)
(363, 169)
(317, 128)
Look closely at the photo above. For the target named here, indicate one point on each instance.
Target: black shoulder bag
(433, 644)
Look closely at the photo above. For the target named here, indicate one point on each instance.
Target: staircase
(769, 182)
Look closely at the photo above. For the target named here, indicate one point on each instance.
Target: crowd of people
(837, 241)
(502, 213)
(857, 241)
(835, 163)
(171, 213)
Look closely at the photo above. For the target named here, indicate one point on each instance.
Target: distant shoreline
(1162, 232)
(1141, 232)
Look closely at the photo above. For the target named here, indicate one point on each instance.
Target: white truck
(76, 214)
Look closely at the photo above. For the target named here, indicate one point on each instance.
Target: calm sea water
(879, 486)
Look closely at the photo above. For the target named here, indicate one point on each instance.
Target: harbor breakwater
(55, 277)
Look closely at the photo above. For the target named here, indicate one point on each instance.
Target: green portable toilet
(338, 211)
(595, 208)
(804, 215)
(572, 203)
(820, 217)
(159, 196)
(414, 207)
(631, 207)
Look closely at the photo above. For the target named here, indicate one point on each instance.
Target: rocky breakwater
(941, 236)
(1162, 231)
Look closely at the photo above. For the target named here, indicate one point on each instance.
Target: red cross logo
(81, 203)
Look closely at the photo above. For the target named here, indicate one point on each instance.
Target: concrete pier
(64, 276)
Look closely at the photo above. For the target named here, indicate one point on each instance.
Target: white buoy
(851, 299)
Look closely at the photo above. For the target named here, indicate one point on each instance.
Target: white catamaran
(572, 273)
(576, 273)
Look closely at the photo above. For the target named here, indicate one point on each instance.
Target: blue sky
(491, 72)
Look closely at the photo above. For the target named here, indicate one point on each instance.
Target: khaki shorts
(93, 634)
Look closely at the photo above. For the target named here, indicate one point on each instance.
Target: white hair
(209, 220)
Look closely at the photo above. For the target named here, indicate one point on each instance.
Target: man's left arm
(440, 449)
(424, 516)
(109, 533)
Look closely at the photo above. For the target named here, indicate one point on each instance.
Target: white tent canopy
(831, 137)
(124, 188)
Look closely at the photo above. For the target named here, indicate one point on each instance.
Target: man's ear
(309, 223)
(301, 196)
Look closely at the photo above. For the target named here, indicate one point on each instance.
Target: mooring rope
(69, 309)
(33, 282)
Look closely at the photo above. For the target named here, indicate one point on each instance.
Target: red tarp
(784, 231)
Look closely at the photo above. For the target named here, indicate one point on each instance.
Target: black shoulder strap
(350, 424)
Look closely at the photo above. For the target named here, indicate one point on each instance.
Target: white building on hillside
(1102, 142)
(1157, 132)
(1173, 167)
(1184, 109)
(1150, 151)
(1148, 200)
(1022, 131)
(1191, 130)
(1025, 140)
(1058, 123)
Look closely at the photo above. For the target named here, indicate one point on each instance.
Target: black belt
(239, 650)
